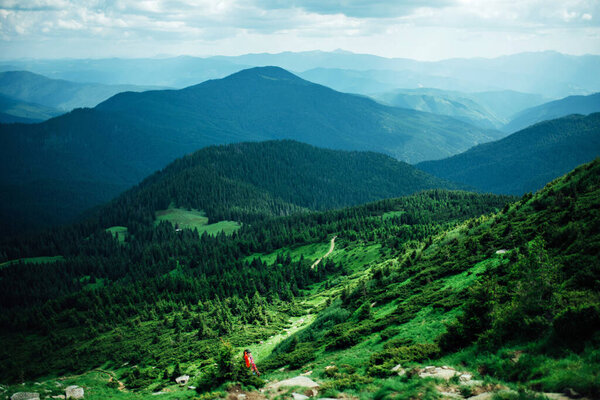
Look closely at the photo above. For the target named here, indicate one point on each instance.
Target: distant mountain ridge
(59, 94)
(550, 74)
(555, 109)
(526, 160)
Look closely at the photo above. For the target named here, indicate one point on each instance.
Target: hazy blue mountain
(95, 153)
(550, 74)
(485, 109)
(271, 103)
(524, 161)
(454, 104)
(377, 81)
(554, 109)
(57, 93)
(12, 110)
(175, 72)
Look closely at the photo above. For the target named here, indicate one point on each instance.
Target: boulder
(25, 396)
(437, 372)
(59, 396)
(74, 392)
(465, 377)
(297, 381)
(182, 380)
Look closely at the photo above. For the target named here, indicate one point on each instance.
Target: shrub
(575, 325)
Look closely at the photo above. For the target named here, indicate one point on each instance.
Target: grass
(194, 219)
(120, 232)
(33, 260)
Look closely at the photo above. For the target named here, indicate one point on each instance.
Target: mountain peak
(267, 72)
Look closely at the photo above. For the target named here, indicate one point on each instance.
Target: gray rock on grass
(74, 392)
(25, 396)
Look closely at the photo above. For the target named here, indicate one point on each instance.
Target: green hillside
(526, 160)
(504, 292)
(555, 109)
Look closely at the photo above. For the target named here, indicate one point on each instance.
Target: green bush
(574, 326)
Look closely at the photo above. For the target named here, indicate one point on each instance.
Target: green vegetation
(33, 260)
(194, 220)
(412, 282)
(118, 232)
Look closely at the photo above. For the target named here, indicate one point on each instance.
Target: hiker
(250, 362)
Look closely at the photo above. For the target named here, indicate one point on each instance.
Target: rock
(329, 367)
(307, 373)
(397, 367)
(501, 251)
(556, 396)
(25, 396)
(60, 396)
(436, 372)
(465, 377)
(482, 396)
(182, 380)
(241, 396)
(192, 387)
(298, 396)
(297, 381)
(571, 393)
(74, 392)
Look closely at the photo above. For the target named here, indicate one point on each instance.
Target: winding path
(331, 247)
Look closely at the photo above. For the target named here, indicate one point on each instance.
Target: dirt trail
(331, 247)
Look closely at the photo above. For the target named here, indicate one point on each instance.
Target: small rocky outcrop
(74, 392)
(25, 396)
(297, 381)
(182, 380)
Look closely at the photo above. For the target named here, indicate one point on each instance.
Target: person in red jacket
(250, 362)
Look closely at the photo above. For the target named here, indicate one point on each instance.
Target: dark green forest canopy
(524, 161)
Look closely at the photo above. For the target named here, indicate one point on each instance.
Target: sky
(423, 30)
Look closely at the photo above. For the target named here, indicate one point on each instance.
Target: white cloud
(428, 29)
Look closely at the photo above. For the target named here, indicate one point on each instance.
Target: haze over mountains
(554, 109)
(549, 74)
(524, 161)
(61, 95)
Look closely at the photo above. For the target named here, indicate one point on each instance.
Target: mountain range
(61, 95)
(549, 74)
(526, 160)
(90, 155)
(554, 109)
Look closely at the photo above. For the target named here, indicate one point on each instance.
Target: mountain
(373, 81)
(554, 109)
(484, 109)
(255, 180)
(524, 161)
(96, 153)
(177, 72)
(252, 181)
(453, 104)
(12, 110)
(550, 74)
(502, 291)
(56, 93)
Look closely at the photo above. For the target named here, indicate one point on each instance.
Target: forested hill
(252, 181)
(555, 109)
(67, 164)
(524, 161)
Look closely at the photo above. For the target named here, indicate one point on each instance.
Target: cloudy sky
(420, 29)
